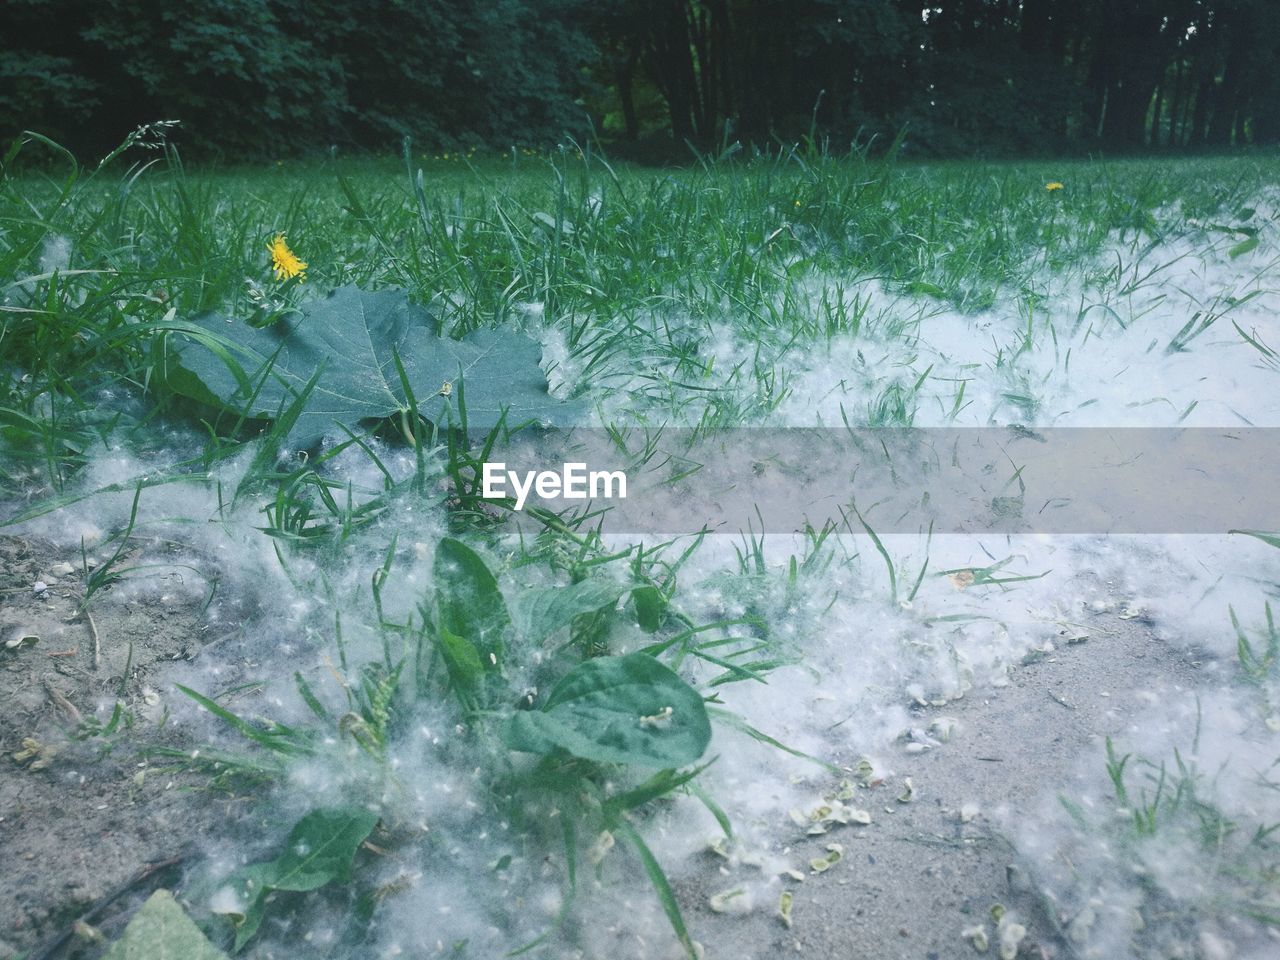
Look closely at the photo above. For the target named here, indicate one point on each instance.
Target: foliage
(628, 709)
(634, 271)
(357, 355)
(249, 78)
(253, 78)
(319, 851)
(605, 717)
(160, 930)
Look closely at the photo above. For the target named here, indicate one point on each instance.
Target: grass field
(375, 638)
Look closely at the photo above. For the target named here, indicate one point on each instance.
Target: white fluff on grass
(862, 656)
(1093, 359)
(55, 254)
(1199, 882)
(1098, 353)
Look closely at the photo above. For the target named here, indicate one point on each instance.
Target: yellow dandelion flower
(284, 261)
(1053, 185)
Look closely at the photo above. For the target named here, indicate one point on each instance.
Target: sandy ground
(923, 872)
(81, 818)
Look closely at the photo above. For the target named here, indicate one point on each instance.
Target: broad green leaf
(628, 709)
(469, 601)
(161, 930)
(320, 850)
(541, 611)
(650, 606)
(352, 338)
(462, 661)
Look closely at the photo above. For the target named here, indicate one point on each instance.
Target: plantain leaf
(349, 341)
(462, 661)
(161, 930)
(629, 709)
(320, 849)
(650, 606)
(469, 601)
(541, 611)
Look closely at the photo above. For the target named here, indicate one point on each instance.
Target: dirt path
(910, 883)
(81, 820)
(83, 811)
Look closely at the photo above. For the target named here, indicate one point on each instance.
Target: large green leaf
(628, 709)
(352, 338)
(320, 849)
(161, 930)
(462, 661)
(469, 601)
(541, 611)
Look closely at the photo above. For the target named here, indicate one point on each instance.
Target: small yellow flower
(1053, 185)
(797, 203)
(284, 261)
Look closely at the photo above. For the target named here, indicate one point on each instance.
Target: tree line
(252, 78)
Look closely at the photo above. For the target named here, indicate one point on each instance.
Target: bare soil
(83, 814)
(90, 823)
(923, 872)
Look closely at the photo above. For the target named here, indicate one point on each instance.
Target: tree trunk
(669, 65)
(1200, 115)
(1176, 104)
(1154, 138)
(624, 76)
(1224, 108)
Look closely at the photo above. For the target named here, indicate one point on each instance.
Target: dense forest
(264, 78)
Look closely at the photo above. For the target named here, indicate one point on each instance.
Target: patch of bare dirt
(84, 811)
(923, 872)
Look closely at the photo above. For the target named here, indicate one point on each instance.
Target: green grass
(1194, 826)
(637, 269)
(666, 254)
(1174, 810)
